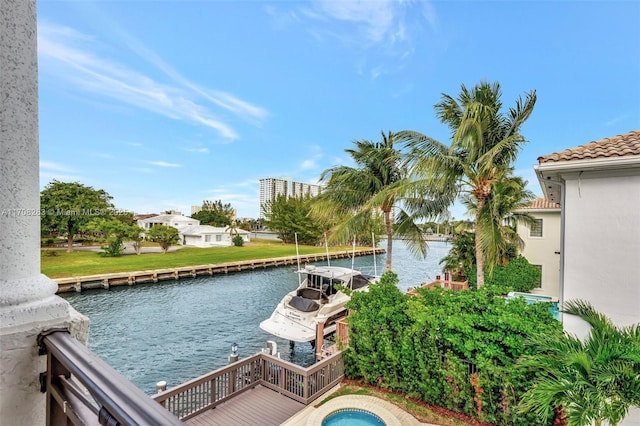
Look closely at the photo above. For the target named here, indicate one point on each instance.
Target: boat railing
(299, 383)
(82, 389)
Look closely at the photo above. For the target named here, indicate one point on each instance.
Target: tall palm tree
(594, 380)
(485, 143)
(499, 218)
(368, 190)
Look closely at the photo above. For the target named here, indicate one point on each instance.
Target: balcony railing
(84, 390)
(206, 392)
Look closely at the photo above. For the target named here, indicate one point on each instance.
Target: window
(536, 229)
(218, 237)
(540, 282)
(207, 238)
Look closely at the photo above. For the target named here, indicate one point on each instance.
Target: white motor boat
(318, 299)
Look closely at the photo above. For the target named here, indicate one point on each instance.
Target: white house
(192, 233)
(598, 188)
(175, 220)
(542, 243)
(210, 236)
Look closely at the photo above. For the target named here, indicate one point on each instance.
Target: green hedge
(517, 275)
(458, 350)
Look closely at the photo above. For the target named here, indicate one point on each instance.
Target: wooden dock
(105, 281)
(257, 406)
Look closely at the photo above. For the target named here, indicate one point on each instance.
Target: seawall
(105, 281)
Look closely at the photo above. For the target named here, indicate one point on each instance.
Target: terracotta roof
(541, 204)
(624, 145)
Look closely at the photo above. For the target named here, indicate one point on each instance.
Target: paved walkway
(389, 413)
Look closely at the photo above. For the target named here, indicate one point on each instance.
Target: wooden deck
(257, 406)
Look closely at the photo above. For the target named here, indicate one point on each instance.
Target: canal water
(178, 330)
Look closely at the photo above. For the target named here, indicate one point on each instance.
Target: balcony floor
(257, 406)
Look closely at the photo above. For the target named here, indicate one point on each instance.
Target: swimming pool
(352, 417)
(538, 298)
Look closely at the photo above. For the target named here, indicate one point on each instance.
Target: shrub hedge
(457, 350)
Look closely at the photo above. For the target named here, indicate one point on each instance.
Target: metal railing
(84, 390)
(206, 392)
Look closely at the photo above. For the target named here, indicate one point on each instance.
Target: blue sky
(165, 104)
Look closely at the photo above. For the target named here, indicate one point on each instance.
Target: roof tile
(627, 144)
(540, 204)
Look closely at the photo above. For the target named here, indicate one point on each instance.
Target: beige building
(598, 188)
(542, 244)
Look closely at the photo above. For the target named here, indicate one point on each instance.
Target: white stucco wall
(602, 247)
(545, 250)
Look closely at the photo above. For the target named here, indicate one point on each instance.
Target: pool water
(352, 417)
(536, 298)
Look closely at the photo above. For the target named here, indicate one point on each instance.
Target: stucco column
(28, 304)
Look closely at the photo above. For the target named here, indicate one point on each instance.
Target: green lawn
(90, 263)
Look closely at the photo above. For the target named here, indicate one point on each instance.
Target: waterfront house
(598, 188)
(176, 220)
(210, 236)
(192, 233)
(542, 243)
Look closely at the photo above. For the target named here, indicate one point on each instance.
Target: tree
(166, 236)
(113, 231)
(360, 193)
(460, 258)
(499, 218)
(237, 241)
(291, 216)
(69, 206)
(485, 143)
(136, 236)
(594, 380)
(215, 213)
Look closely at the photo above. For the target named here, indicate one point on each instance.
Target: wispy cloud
(615, 120)
(225, 100)
(198, 150)
(308, 164)
(49, 165)
(163, 164)
(370, 23)
(50, 170)
(73, 56)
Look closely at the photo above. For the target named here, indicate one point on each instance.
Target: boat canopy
(302, 304)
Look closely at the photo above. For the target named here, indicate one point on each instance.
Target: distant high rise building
(270, 188)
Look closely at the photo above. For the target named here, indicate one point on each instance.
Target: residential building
(542, 243)
(598, 188)
(192, 233)
(271, 188)
(176, 220)
(210, 236)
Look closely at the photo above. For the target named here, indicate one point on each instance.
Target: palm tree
(460, 257)
(361, 193)
(485, 144)
(594, 380)
(499, 218)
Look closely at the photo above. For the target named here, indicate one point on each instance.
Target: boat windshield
(326, 284)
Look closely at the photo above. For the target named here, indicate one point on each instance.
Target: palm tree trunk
(389, 228)
(479, 250)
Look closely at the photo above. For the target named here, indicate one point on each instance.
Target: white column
(28, 304)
